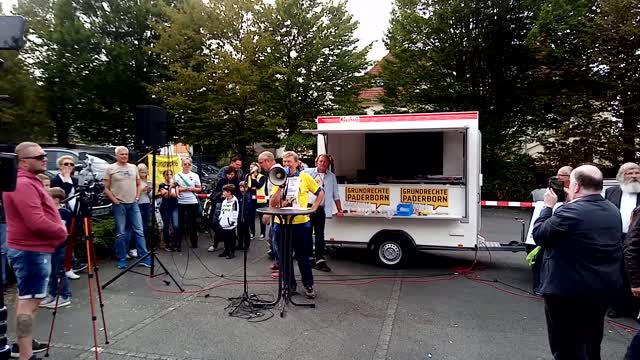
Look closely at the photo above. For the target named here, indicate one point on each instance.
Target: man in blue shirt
(328, 182)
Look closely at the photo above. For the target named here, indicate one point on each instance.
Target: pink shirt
(33, 222)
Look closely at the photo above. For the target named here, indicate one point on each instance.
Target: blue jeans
(145, 213)
(57, 272)
(128, 214)
(301, 243)
(3, 252)
(32, 271)
(170, 217)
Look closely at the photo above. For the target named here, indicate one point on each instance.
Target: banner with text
(368, 195)
(435, 197)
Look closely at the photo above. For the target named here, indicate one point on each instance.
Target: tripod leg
(55, 312)
(89, 277)
(95, 270)
(153, 255)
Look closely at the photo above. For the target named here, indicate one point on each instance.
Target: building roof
(371, 94)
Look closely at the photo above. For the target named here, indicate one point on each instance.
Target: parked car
(99, 160)
(95, 164)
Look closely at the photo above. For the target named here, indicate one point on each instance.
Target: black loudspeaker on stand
(151, 123)
(151, 126)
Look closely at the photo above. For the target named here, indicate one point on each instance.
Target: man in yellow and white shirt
(295, 193)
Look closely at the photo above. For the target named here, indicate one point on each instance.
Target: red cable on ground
(459, 273)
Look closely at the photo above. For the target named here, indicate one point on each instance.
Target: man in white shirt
(625, 197)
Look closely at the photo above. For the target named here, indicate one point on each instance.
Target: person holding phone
(188, 184)
(169, 210)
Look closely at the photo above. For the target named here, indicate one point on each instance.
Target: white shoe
(71, 275)
(62, 301)
(211, 249)
(49, 300)
(133, 253)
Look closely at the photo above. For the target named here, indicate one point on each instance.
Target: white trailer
(428, 161)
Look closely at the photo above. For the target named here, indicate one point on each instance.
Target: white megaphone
(278, 176)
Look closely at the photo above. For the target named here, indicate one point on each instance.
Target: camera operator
(69, 184)
(626, 197)
(582, 262)
(34, 230)
(122, 185)
(562, 176)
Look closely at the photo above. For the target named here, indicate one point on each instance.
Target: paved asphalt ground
(363, 311)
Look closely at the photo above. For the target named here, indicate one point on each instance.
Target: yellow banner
(435, 197)
(368, 195)
(163, 162)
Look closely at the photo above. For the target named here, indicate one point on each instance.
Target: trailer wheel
(392, 252)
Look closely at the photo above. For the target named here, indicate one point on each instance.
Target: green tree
(124, 69)
(61, 52)
(613, 43)
(215, 55)
(463, 55)
(23, 117)
(314, 66)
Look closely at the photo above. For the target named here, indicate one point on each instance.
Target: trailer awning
(366, 131)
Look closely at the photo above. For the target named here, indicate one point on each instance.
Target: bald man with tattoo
(34, 230)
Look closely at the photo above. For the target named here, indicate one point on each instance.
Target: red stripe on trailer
(398, 117)
(518, 204)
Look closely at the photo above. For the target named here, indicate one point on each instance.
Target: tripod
(151, 254)
(82, 209)
(245, 300)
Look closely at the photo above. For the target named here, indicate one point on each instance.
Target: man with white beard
(625, 197)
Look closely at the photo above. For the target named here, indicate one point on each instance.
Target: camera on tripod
(89, 191)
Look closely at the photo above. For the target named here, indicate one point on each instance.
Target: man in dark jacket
(632, 260)
(626, 197)
(581, 265)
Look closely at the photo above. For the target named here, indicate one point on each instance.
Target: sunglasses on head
(37, 157)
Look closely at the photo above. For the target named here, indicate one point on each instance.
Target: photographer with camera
(560, 185)
(34, 230)
(122, 185)
(67, 182)
(581, 265)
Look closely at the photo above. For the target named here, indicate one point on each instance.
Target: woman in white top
(188, 184)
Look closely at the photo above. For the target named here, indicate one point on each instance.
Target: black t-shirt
(169, 202)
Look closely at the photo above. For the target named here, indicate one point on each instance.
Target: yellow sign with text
(163, 162)
(368, 195)
(435, 197)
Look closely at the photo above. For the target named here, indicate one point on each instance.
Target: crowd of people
(587, 265)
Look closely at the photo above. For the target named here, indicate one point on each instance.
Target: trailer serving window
(419, 156)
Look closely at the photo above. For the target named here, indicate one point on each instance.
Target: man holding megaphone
(291, 189)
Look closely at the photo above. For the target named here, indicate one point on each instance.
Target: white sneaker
(71, 275)
(133, 253)
(211, 249)
(62, 301)
(48, 300)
